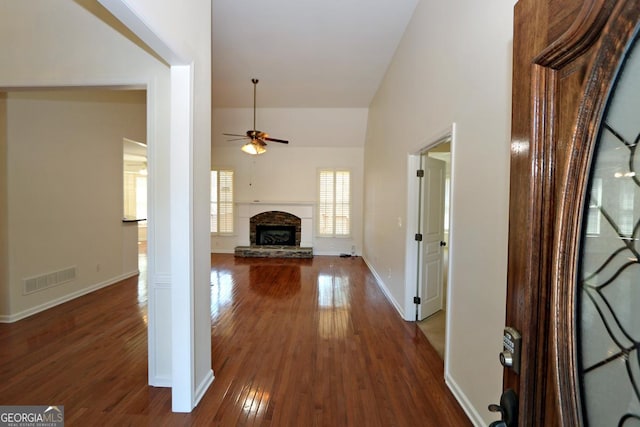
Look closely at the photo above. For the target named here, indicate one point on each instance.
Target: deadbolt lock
(511, 349)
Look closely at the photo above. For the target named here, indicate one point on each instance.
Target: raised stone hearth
(265, 251)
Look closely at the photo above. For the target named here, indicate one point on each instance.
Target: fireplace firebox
(274, 228)
(275, 235)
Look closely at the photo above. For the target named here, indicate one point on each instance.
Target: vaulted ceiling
(306, 53)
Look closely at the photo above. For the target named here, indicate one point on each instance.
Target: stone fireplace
(275, 230)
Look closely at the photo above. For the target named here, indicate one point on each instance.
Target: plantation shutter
(343, 201)
(222, 201)
(334, 205)
(225, 200)
(326, 211)
(214, 201)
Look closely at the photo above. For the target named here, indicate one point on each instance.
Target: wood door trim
(543, 141)
(581, 34)
(525, 293)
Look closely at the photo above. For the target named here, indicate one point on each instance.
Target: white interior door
(431, 281)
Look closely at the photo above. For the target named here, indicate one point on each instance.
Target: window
(594, 215)
(134, 167)
(221, 201)
(135, 192)
(626, 188)
(334, 207)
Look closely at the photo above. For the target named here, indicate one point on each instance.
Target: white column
(182, 257)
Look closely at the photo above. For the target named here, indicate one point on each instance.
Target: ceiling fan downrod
(255, 85)
(256, 144)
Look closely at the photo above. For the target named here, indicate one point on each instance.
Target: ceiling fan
(257, 139)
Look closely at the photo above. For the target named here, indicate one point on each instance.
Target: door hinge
(416, 300)
(420, 173)
(418, 237)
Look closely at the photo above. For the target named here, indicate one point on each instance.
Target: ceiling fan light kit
(253, 148)
(256, 144)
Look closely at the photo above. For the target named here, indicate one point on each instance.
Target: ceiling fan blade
(234, 134)
(282, 141)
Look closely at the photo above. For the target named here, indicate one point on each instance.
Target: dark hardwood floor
(294, 343)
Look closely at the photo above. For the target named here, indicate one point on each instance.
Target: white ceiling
(306, 53)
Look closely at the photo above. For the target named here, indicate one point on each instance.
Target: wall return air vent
(44, 281)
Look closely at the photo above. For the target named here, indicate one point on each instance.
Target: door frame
(411, 249)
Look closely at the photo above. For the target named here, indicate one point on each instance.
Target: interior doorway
(428, 240)
(60, 133)
(432, 317)
(135, 184)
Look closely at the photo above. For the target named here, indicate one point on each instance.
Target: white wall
(64, 175)
(288, 173)
(453, 65)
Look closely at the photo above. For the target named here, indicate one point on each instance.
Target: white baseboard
(462, 399)
(326, 253)
(160, 381)
(66, 298)
(203, 387)
(222, 251)
(384, 288)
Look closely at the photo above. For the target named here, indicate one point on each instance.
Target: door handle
(508, 409)
(442, 243)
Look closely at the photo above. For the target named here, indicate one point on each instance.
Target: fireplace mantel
(303, 210)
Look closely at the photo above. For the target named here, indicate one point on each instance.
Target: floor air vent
(38, 283)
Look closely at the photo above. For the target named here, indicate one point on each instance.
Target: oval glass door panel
(609, 275)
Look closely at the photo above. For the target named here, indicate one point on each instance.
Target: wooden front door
(569, 56)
